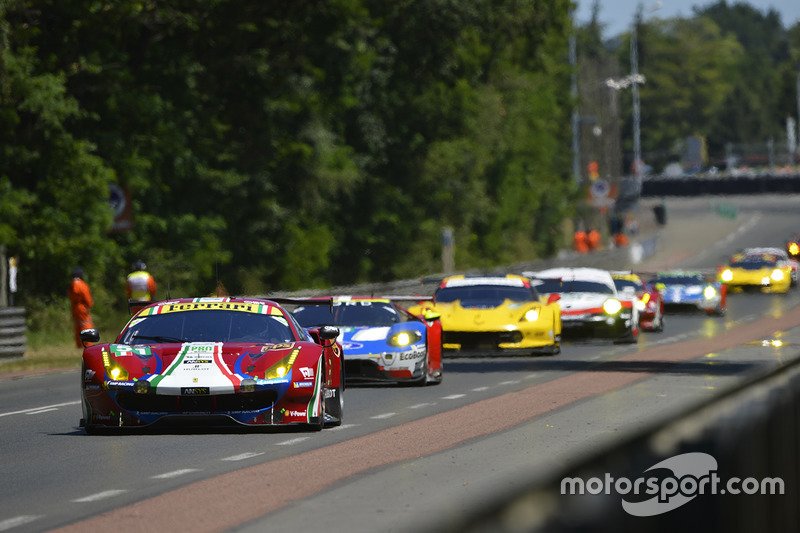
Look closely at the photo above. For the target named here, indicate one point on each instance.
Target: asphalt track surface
(406, 458)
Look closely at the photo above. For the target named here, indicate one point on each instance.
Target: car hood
(507, 313)
(219, 367)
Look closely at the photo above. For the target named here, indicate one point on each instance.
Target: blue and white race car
(381, 341)
(692, 290)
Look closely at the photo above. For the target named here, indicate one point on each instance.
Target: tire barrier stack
(729, 464)
(13, 341)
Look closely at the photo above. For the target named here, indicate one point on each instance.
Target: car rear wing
(328, 300)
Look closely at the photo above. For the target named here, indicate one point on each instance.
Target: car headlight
(641, 304)
(612, 306)
(113, 369)
(777, 275)
(709, 292)
(404, 338)
(531, 315)
(282, 367)
(726, 275)
(794, 249)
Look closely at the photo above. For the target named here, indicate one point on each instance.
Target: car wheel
(334, 405)
(659, 322)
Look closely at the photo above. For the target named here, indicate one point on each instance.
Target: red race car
(650, 301)
(213, 361)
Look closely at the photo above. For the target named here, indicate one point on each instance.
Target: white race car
(591, 306)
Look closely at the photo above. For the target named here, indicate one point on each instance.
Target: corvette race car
(493, 315)
(755, 268)
(214, 361)
(782, 256)
(381, 340)
(591, 306)
(649, 302)
(683, 289)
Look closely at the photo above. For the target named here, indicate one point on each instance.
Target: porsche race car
(493, 315)
(213, 361)
(755, 268)
(690, 289)
(381, 340)
(590, 304)
(650, 302)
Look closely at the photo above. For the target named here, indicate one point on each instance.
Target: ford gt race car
(213, 360)
(494, 315)
(591, 306)
(759, 269)
(650, 302)
(684, 289)
(381, 340)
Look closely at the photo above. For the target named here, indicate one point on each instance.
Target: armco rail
(753, 431)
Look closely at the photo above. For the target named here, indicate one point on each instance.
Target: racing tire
(660, 324)
(630, 337)
(334, 406)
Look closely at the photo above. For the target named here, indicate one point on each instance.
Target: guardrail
(698, 186)
(13, 341)
(752, 433)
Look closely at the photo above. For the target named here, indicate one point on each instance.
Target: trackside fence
(752, 432)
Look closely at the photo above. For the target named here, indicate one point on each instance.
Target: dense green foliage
(275, 145)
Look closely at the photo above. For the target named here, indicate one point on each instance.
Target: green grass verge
(50, 339)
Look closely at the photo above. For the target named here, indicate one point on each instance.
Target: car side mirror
(90, 335)
(328, 333)
(430, 314)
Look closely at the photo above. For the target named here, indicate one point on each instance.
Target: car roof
(509, 280)
(576, 273)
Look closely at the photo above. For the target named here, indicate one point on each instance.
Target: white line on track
(100, 496)
(242, 456)
(480, 389)
(292, 441)
(17, 521)
(175, 473)
(512, 382)
(40, 411)
(532, 376)
(343, 426)
(25, 411)
(420, 405)
(453, 397)
(383, 416)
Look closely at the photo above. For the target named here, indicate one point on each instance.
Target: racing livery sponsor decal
(308, 372)
(197, 363)
(278, 346)
(205, 304)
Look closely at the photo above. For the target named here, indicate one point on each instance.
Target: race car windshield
(208, 326)
(354, 313)
(621, 284)
(485, 295)
(754, 262)
(550, 286)
(679, 280)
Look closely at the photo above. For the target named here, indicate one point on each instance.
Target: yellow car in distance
(755, 269)
(494, 315)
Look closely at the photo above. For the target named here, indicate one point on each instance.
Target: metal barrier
(13, 341)
(752, 433)
(699, 186)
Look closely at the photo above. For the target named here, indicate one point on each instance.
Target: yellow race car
(494, 315)
(753, 268)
